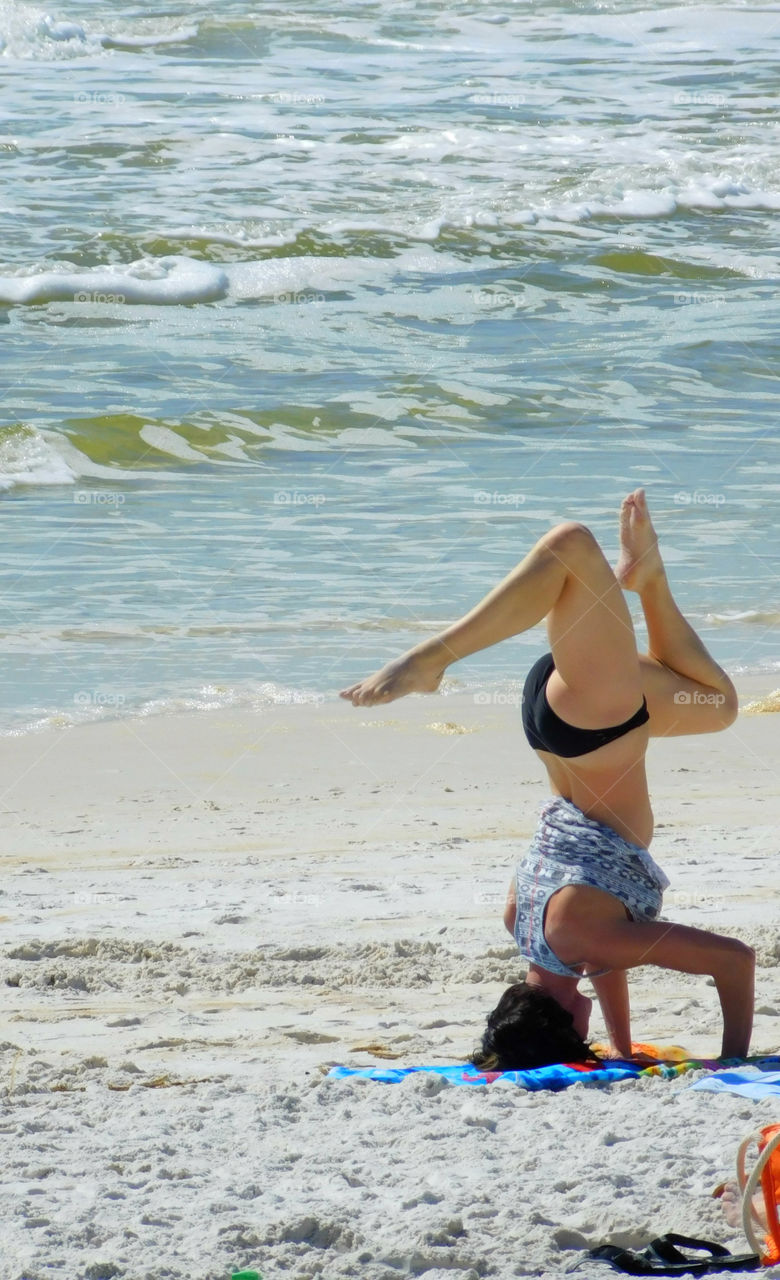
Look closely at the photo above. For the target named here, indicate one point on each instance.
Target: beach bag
(765, 1171)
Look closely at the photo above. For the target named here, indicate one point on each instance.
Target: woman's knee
(571, 541)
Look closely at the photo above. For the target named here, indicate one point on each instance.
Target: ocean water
(312, 322)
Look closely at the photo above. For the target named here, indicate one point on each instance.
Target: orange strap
(770, 1185)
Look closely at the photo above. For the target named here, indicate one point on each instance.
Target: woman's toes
(731, 1203)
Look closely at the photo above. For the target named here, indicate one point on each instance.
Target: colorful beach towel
(676, 1062)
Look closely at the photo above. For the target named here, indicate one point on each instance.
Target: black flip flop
(661, 1257)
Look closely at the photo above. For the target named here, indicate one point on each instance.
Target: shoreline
(499, 692)
(220, 758)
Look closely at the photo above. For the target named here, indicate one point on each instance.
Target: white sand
(236, 901)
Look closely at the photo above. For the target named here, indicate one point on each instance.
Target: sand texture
(203, 912)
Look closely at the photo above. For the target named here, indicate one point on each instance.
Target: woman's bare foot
(640, 560)
(411, 673)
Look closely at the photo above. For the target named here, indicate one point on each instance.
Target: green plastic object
(246, 1275)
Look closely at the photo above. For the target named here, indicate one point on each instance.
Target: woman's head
(529, 1028)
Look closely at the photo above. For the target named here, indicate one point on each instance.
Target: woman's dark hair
(528, 1029)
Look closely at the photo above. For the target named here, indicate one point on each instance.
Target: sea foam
(26, 457)
(153, 281)
(26, 32)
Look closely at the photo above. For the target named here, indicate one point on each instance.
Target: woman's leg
(565, 579)
(597, 680)
(686, 690)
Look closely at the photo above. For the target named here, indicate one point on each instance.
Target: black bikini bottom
(547, 732)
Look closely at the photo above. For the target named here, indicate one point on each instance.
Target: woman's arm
(612, 994)
(510, 907)
(624, 944)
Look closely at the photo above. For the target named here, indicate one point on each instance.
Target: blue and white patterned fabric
(569, 848)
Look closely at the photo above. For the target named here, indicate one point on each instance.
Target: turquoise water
(310, 324)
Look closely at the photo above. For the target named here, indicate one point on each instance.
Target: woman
(587, 896)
